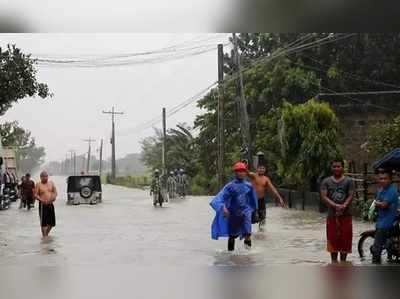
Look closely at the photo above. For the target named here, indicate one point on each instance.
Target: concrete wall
(356, 120)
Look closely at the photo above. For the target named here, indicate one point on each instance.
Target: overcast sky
(115, 16)
(80, 94)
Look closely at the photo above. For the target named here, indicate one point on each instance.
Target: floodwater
(125, 246)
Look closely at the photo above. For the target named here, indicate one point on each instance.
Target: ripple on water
(239, 258)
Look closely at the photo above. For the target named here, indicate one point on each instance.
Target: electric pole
(113, 166)
(221, 127)
(89, 141)
(244, 118)
(164, 144)
(101, 157)
(73, 162)
(83, 162)
(67, 167)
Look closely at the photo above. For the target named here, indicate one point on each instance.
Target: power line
(354, 76)
(235, 75)
(155, 56)
(350, 93)
(172, 111)
(347, 95)
(180, 46)
(278, 53)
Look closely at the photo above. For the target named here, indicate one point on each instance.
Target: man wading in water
(46, 194)
(262, 184)
(337, 192)
(234, 205)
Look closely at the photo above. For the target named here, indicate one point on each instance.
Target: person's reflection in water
(339, 282)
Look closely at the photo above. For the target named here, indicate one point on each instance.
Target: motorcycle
(4, 202)
(11, 193)
(391, 248)
(182, 190)
(156, 192)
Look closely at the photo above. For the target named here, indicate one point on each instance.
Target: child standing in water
(234, 205)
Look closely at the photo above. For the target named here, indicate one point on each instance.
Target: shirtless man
(262, 184)
(46, 194)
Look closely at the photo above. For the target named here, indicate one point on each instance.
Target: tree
(181, 150)
(308, 142)
(383, 138)
(273, 75)
(18, 78)
(28, 155)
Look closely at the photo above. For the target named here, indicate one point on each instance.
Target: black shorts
(47, 215)
(262, 209)
(28, 200)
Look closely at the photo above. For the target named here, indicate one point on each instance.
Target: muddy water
(127, 229)
(125, 246)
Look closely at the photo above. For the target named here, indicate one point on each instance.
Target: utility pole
(221, 125)
(244, 118)
(101, 157)
(73, 162)
(83, 162)
(67, 167)
(89, 141)
(164, 144)
(113, 164)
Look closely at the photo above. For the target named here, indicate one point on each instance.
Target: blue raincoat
(240, 199)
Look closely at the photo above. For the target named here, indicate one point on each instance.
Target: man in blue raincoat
(234, 205)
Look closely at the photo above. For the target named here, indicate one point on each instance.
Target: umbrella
(390, 161)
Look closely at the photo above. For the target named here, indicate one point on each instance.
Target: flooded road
(126, 248)
(127, 230)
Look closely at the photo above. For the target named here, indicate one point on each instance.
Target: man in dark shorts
(262, 184)
(337, 192)
(27, 191)
(46, 194)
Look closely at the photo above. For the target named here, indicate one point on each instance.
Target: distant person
(262, 184)
(46, 194)
(337, 192)
(156, 187)
(28, 191)
(171, 185)
(234, 205)
(8, 179)
(387, 203)
(182, 183)
(22, 203)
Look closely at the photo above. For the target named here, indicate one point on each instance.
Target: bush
(198, 190)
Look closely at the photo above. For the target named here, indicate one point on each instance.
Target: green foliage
(130, 181)
(181, 150)
(308, 136)
(29, 156)
(383, 138)
(18, 78)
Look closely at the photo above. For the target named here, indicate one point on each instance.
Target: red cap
(240, 166)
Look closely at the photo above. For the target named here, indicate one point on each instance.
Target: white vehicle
(84, 189)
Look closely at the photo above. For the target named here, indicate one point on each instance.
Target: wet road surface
(127, 230)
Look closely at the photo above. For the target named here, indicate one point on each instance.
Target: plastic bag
(372, 211)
